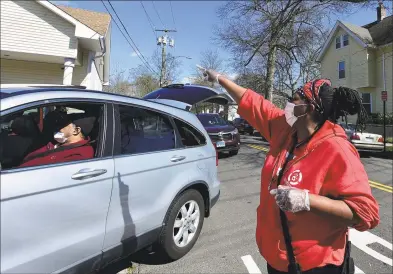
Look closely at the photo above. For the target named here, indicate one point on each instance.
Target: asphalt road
(227, 242)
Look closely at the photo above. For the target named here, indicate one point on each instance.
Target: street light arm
(174, 57)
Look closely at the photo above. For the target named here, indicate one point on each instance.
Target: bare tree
(144, 84)
(172, 67)
(120, 83)
(251, 80)
(173, 64)
(145, 80)
(210, 59)
(265, 29)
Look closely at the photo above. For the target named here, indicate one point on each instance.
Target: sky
(193, 20)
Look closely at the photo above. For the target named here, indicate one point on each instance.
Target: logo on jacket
(295, 177)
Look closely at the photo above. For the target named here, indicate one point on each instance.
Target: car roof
(207, 114)
(14, 97)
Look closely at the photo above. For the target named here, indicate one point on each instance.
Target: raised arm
(232, 88)
(259, 112)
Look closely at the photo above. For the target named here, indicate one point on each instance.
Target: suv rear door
(53, 216)
(150, 168)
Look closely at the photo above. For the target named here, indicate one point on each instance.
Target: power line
(148, 18)
(118, 27)
(173, 17)
(174, 24)
(121, 22)
(154, 6)
(135, 47)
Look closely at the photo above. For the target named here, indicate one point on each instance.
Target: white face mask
(59, 137)
(290, 115)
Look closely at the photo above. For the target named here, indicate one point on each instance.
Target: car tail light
(216, 157)
(380, 140)
(355, 137)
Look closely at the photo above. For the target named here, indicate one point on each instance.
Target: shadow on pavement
(116, 267)
(150, 257)
(382, 155)
(145, 256)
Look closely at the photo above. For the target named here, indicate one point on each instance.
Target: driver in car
(71, 142)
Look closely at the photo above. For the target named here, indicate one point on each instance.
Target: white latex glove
(291, 199)
(211, 75)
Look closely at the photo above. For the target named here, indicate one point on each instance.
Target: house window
(341, 70)
(338, 42)
(342, 41)
(345, 40)
(366, 101)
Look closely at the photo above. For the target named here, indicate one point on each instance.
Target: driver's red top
(83, 152)
(327, 165)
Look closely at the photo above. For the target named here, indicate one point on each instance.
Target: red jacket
(83, 152)
(328, 165)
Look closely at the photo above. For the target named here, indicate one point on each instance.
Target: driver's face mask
(60, 137)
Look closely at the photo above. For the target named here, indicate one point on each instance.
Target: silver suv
(138, 172)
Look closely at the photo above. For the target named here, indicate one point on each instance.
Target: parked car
(152, 180)
(363, 141)
(243, 126)
(224, 136)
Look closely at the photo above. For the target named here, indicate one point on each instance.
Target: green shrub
(377, 118)
(389, 140)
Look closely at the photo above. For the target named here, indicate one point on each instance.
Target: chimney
(381, 11)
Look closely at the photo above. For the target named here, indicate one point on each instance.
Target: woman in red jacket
(324, 187)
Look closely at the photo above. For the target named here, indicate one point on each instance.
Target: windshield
(349, 126)
(212, 120)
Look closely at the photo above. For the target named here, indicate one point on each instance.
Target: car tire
(175, 215)
(233, 152)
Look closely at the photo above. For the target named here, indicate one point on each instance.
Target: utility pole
(163, 41)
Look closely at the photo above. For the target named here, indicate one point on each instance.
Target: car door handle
(177, 158)
(88, 173)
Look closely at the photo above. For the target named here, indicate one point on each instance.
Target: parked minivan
(151, 178)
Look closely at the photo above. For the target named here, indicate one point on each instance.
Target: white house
(43, 43)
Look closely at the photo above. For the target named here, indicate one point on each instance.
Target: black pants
(328, 269)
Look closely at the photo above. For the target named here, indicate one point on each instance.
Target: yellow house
(360, 57)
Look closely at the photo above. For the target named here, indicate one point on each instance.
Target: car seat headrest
(25, 126)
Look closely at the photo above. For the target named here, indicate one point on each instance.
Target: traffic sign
(384, 95)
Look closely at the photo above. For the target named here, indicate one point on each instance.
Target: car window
(212, 120)
(28, 137)
(189, 135)
(347, 126)
(144, 131)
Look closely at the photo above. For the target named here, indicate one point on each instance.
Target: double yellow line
(373, 184)
(381, 186)
(265, 149)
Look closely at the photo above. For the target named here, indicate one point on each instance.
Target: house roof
(362, 33)
(98, 21)
(371, 35)
(382, 32)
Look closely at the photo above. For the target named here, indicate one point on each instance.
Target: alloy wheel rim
(186, 223)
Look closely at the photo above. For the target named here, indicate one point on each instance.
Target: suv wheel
(183, 224)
